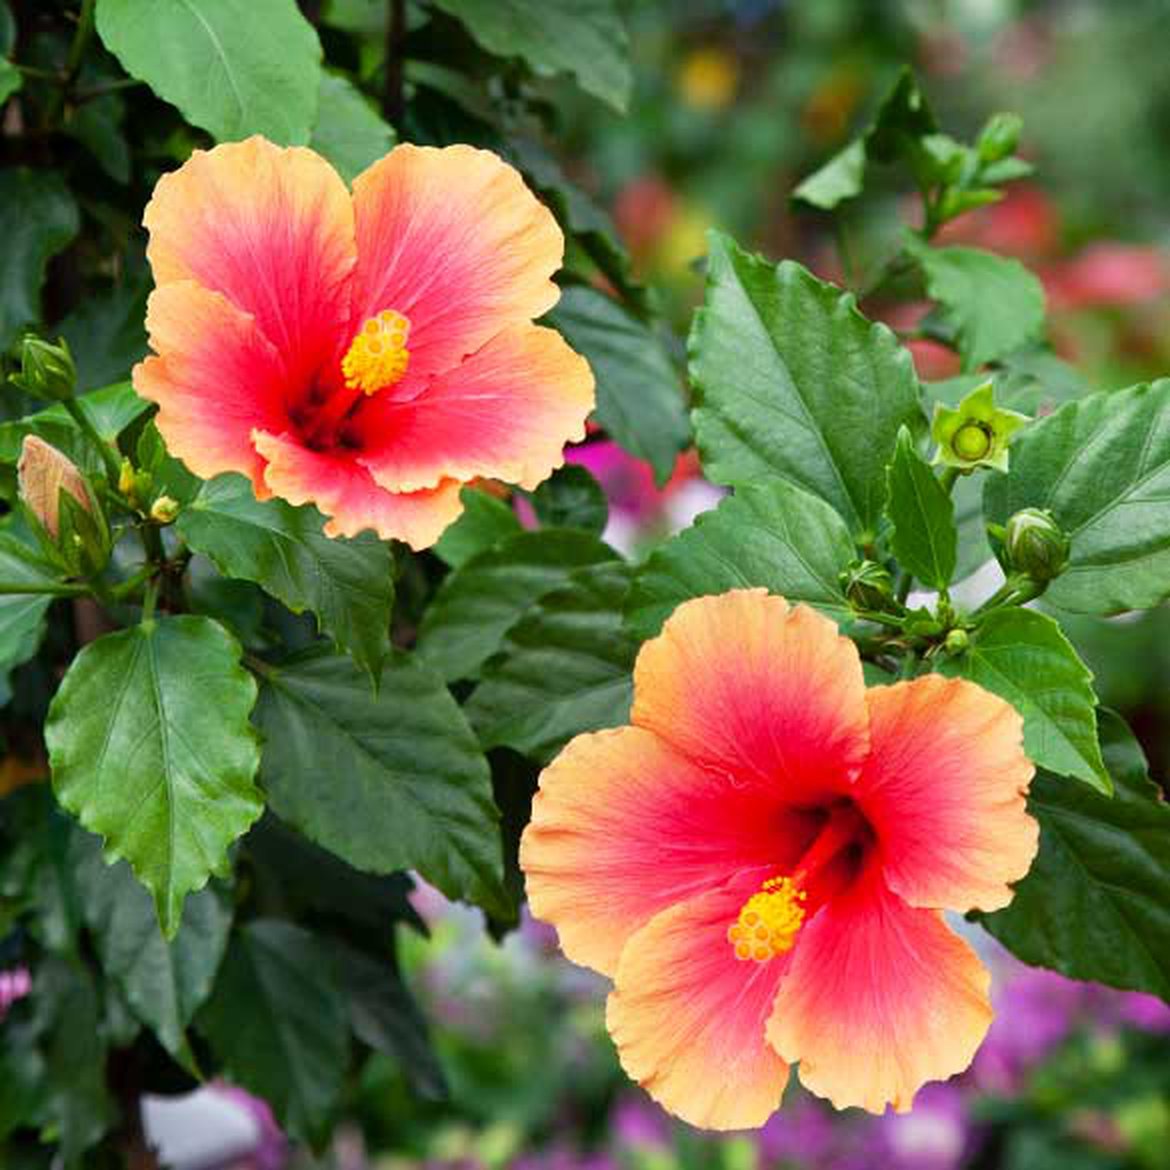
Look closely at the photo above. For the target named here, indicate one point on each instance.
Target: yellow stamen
(769, 922)
(378, 356)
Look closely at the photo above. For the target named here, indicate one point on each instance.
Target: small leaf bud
(999, 137)
(46, 370)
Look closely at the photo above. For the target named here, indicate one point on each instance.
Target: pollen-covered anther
(377, 356)
(769, 922)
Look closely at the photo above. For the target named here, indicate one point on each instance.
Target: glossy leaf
(1096, 903)
(278, 1022)
(563, 668)
(571, 498)
(639, 397)
(924, 538)
(232, 67)
(1022, 656)
(387, 781)
(350, 132)
(150, 748)
(1102, 467)
(485, 519)
(792, 381)
(479, 602)
(774, 535)
(22, 615)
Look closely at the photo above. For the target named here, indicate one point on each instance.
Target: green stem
(152, 542)
(10, 589)
(97, 91)
(1014, 591)
(150, 600)
(133, 584)
(948, 479)
(81, 37)
(39, 74)
(881, 619)
(109, 459)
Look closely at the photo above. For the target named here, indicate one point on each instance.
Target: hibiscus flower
(369, 354)
(760, 862)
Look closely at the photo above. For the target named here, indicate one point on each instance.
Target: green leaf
(564, 667)
(1022, 656)
(350, 132)
(840, 179)
(924, 537)
(150, 747)
(484, 521)
(571, 498)
(164, 983)
(278, 1021)
(792, 381)
(22, 615)
(106, 334)
(232, 67)
(583, 37)
(384, 1016)
(639, 398)
(348, 584)
(1101, 466)
(994, 303)
(775, 536)
(479, 602)
(405, 783)
(10, 80)
(1096, 903)
(38, 218)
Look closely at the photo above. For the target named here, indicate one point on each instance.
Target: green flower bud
(1036, 545)
(999, 137)
(868, 586)
(956, 642)
(46, 370)
(976, 433)
(164, 510)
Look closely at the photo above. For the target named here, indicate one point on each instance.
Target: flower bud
(999, 137)
(867, 586)
(1036, 545)
(956, 641)
(164, 510)
(46, 370)
(976, 433)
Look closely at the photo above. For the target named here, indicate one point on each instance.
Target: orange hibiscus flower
(370, 353)
(760, 861)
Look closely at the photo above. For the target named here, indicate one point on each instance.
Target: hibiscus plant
(300, 603)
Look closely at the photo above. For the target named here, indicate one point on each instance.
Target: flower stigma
(769, 922)
(377, 356)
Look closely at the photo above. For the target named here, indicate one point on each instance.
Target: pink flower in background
(1108, 273)
(14, 985)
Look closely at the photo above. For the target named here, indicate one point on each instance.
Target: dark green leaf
(1102, 467)
(1022, 656)
(233, 67)
(38, 218)
(583, 37)
(106, 334)
(164, 983)
(22, 615)
(387, 781)
(150, 747)
(478, 603)
(98, 125)
(10, 80)
(774, 535)
(571, 498)
(277, 1020)
(924, 537)
(1095, 903)
(350, 132)
(639, 399)
(484, 521)
(792, 381)
(348, 584)
(564, 667)
(993, 302)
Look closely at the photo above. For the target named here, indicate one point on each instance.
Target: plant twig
(393, 91)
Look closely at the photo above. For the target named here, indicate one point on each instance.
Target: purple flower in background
(801, 1132)
(934, 1135)
(636, 1121)
(14, 985)
(563, 1158)
(1147, 1012)
(271, 1150)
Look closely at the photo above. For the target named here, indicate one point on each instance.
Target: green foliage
(22, 615)
(571, 498)
(349, 131)
(774, 535)
(792, 381)
(150, 747)
(348, 584)
(924, 538)
(233, 67)
(1095, 904)
(388, 780)
(485, 520)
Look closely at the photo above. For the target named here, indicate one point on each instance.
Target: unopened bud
(999, 137)
(1036, 545)
(956, 642)
(46, 370)
(867, 586)
(126, 478)
(43, 473)
(164, 510)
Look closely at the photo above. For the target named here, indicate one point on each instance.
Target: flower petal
(504, 413)
(623, 826)
(745, 683)
(689, 1018)
(271, 229)
(216, 379)
(944, 790)
(880, 998)
(347, 494)
(454, 239)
